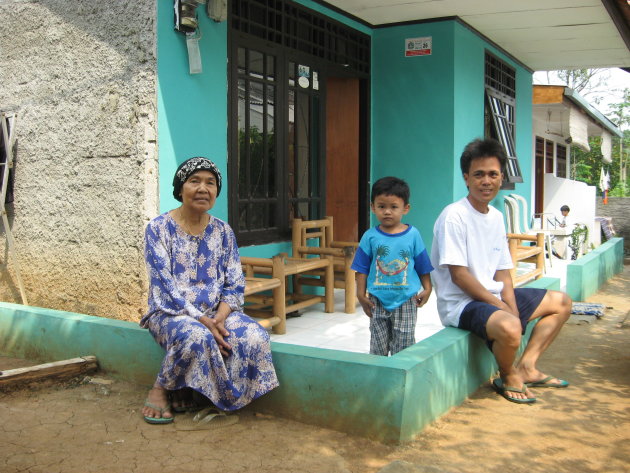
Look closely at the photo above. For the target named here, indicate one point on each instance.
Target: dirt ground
(97, 427)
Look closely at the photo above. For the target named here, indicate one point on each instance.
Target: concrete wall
(586, 275)
(619, 209)
(81, 76)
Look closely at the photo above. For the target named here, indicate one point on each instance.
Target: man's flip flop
(497, 384)
(544, 383)
(161, 410)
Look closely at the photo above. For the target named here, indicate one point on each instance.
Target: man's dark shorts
(475, 315)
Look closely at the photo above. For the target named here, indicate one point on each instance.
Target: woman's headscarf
(188, 168)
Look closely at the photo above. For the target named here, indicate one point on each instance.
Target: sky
(607, 89)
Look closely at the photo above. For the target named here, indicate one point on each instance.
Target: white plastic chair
(518, 202)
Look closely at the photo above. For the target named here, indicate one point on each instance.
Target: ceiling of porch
(542, 34)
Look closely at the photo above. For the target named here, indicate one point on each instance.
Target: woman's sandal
(208, 419)
(161, 410)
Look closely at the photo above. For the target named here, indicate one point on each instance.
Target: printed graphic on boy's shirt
(393, 272)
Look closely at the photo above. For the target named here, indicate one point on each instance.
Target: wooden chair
(315, 237)
(516, 211)
(526, 254)
(266, 292)
(281, 300)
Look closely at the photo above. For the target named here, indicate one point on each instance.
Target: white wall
(580, 197)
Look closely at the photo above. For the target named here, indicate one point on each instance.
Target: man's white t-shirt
(462, 236)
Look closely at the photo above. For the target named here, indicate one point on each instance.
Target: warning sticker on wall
(418, 46)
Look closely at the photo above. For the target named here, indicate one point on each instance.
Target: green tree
(586, 166)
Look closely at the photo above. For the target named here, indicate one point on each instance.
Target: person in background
(564, 221)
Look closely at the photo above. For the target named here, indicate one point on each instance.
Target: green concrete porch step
(389, 399)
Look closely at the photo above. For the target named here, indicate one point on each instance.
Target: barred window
(500, 111)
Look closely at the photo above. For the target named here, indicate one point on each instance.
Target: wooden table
(280, 267)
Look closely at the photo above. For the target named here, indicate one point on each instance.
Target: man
(473, 284)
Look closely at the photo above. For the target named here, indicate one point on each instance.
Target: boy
(473, 283)
(391, 263)
(565, 214)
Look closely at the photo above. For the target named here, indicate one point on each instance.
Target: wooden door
(539, 188)
(342, 156)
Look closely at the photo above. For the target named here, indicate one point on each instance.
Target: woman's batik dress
(188, 277)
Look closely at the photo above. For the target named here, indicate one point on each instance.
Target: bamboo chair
(266, 292)
(526, 254)
(315, 237)
(282, 301)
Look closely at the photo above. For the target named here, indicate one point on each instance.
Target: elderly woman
(195, 305)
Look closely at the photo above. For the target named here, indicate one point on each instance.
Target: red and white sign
(418, 46)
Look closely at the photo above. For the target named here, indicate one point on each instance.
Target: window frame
(500, 106)
(293, 34)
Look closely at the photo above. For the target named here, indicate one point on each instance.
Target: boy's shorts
(475, 315)
(392, 331)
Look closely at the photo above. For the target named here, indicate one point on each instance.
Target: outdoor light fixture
(186, 22)
(186, 15)
(217, 10)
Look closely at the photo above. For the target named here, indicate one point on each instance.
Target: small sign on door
(418, 46)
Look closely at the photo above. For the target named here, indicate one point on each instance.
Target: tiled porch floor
(351, 332)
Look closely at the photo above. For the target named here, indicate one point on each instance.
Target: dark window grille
(549, 156)
(500, 111)
(500, 76)
(291, 25)
(561, 160)
(276, 166)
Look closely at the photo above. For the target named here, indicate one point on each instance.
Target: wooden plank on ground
(57, 371)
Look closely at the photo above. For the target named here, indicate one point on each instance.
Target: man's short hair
(565, 208)
(486, 148)
(390, 186)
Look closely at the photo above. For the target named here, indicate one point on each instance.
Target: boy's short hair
(565, 208)
(486, 148)
(390, 186)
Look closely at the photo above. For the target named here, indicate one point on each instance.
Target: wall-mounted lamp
(186, 15)
(186, 22)
(569, 140)
(217, 10)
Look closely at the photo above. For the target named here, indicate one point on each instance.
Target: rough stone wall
(82, 77)
(619, 209)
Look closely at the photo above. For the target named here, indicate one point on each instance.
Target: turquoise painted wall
(412, 117)
(192, 109)
(469, 104)
(426, 109)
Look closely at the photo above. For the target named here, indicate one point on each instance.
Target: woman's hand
(218, 330)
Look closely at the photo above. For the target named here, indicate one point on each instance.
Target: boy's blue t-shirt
(393, 263)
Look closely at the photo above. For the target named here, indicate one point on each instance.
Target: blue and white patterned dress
(188, 277)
